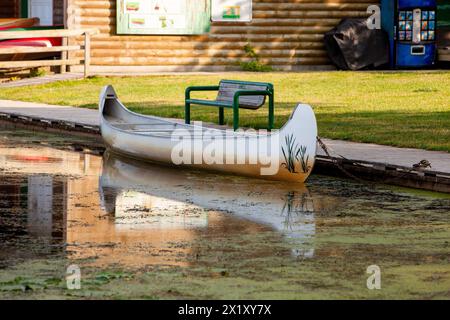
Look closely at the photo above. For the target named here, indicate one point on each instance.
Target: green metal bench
(234, 94)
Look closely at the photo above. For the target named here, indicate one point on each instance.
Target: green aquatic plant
(294, 153)
(303, 161)
(290, 153)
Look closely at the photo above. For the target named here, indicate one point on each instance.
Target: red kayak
(31, 42)
(21, 25)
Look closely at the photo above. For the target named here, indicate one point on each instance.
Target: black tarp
(353, 46)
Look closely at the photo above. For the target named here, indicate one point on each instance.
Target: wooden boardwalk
(397, 162)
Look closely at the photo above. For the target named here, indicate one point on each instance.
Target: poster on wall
(163, 16)
(232, 10)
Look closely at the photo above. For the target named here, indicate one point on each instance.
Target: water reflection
(119, 211)
(45, 160)
(174, 198)
(35, 198)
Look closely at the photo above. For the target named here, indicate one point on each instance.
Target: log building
(286, 34)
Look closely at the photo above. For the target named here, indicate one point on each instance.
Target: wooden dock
(366, 162)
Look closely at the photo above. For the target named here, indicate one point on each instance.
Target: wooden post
(64, 55)
(87, 53)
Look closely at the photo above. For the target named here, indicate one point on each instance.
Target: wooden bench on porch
(234, 95)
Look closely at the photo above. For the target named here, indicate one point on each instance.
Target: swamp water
(136, 230)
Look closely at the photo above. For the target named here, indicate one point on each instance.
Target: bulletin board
(163, 17)
(232, 10)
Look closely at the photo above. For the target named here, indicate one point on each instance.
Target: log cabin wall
(287, 34)
(9, 8)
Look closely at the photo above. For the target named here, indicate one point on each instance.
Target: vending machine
(411, 27)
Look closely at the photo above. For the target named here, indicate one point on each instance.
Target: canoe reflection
(142, 196)
(50, 206)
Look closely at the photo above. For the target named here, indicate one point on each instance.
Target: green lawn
(407, 109)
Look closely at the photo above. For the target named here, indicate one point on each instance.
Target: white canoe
(285, 154)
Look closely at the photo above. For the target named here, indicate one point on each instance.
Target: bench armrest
(239, 93)
(199, 88)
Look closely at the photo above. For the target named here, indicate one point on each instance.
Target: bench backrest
(227, 89)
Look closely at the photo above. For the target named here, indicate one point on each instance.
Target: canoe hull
(287, 154)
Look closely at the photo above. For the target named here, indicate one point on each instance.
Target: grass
(405, 109)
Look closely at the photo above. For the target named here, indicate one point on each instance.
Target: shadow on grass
(425, 130)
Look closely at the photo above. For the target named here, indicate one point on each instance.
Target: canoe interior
(119, 117)
(122, 119)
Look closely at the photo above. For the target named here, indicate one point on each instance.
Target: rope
(420, 167)
(336, 162)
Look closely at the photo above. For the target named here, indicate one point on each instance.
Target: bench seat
(234, 94)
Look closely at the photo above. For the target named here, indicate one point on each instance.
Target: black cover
(353, 46)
